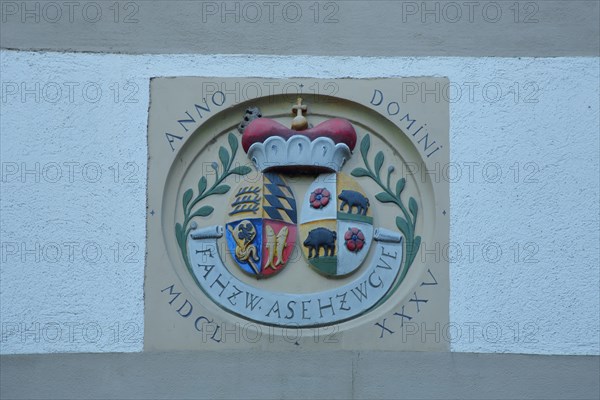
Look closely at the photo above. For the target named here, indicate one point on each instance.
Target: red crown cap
(337, 129)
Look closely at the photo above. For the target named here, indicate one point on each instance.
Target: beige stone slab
(197, 293)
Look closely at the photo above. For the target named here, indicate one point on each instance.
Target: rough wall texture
(320, 375)
(524, 246)
(548, 28)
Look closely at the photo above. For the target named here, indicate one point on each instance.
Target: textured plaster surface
(321, 375)
(524, 253)
(546, 28)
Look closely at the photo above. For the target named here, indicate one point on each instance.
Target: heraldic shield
(336, 225)
(261, 228)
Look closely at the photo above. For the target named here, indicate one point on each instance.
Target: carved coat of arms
(331, 223)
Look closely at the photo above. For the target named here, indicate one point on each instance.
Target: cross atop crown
(299, 122)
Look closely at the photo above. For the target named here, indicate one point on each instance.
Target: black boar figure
(352, 199)
(320, 237)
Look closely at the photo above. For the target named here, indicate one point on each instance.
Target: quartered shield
(261, 228)
(336, 225)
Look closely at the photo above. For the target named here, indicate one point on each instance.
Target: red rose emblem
(319, 198)
(355, 239)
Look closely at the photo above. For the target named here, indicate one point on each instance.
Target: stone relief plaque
(296, 213)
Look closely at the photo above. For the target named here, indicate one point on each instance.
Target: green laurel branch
(189, 202)
(407, 220)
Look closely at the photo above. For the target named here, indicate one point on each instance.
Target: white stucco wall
(540, 295)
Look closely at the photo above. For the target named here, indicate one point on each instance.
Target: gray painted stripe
(299, 374)
(376, 28)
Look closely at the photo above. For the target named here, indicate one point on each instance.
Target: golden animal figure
(270, 243)
(243, 234)
(281, 244)
(275, 245)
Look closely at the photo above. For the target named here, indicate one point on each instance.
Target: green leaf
(413, 207)
(385, 197)
(203, 212)
(358, 172)
(243, 170)
(224, 157)
(414, 249)
(378, 162)
(222, 189)
(417, 244)
(187, 197)
(365, 145)
(403, 226)
(201, 185)
(400, 186)
(233, 143)
(178, 232)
